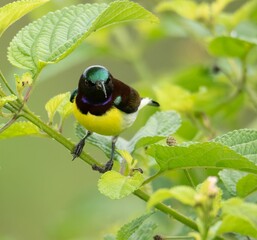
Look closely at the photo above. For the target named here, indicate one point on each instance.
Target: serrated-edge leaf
(18, 129)
(144, 232)
(200, 155)
(55, 35)
(160, 125)
(184, 194)
(12, 12)
(128, 229)
(6, 99)
(242, 141)
(116, 186)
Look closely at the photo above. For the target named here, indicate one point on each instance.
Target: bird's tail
(148, 101)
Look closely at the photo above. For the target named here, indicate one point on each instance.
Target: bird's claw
(107, 167)
(77, 149)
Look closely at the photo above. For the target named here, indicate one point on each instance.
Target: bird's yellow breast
(111, 123)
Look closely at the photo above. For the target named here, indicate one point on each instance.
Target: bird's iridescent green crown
(96, 73)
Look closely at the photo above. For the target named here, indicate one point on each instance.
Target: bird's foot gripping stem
(79, 147)
(107, 167)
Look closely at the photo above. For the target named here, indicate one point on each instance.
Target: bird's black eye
(88, 83)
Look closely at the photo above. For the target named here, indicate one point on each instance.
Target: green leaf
(158, 127)
(246, 185)
(200, 155)
(144, 232)
(229, 47)
(20, 129)
(4, 100)
(239, 217)
(183, 194)
(52, 37)
(116, 186)
(7, 99)
(129, 229)
(230, 179)
(244, 142)
(12, 12)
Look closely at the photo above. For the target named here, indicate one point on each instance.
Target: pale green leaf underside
(20, 129)
(144, 232)
(12, 12)
(55, 35)
(244, 142)
(159, 126)
(200, 155)
(116, 186)
(129, 229)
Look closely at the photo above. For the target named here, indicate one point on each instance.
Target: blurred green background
(43, 194)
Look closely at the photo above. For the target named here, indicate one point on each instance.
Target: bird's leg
(79, 147)
(109, 164)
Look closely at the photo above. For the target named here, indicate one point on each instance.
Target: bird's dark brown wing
(128, 99)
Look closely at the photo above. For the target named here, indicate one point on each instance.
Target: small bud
(24, 81)
(216, 69)
(212, 188)
(171, 141)
(157, 237)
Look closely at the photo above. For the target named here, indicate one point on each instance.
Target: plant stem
(88, 159)
(177, 237)
(6, 83)
(56, 135)
(168, 210)
(189, 177)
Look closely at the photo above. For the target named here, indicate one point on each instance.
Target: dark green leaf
(246, 185)
(200, 155)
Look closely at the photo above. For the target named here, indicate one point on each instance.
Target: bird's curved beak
(100, 86)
